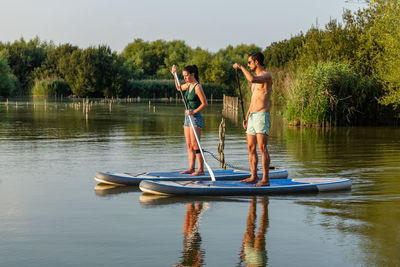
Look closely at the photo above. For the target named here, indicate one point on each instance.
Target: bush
(8, 81)
(333, 93)
(51, 87)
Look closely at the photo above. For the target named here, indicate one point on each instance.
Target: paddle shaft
(240, 93)
(194, 130)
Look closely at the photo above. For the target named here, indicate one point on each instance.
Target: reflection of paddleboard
(135, 179)
(219, 188)
(151, 200)
(108, 189)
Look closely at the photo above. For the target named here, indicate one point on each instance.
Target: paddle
(194, 130)
(240, 93)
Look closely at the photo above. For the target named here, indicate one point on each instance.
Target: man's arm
(250, 77)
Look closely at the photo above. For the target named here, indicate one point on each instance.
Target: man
(257, 122)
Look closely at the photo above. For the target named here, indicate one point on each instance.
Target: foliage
(51, 87)
(90, 72)
(24, 57)
(278, 54)
(7, 80)
(151, 88)
(96, 72)
(386, 33)
(333, 93)
(368, 40)
(57, 62)
(216, 68)
(154, 60)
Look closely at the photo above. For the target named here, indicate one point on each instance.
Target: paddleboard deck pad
(230, 188)
(135, 179)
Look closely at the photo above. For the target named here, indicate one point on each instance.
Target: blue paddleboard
(230, 188)
(135, 179)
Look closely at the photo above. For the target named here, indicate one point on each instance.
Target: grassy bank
(333, 93)
(51, 87)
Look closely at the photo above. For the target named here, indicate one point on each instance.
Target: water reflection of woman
(192, 253)
(253, 251)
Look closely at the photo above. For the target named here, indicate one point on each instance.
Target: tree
(386, 30)
(56, 62)
(7, 79)
(24, 57)
(96, 72)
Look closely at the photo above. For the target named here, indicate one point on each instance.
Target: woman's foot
(197, 173)
(188, 171)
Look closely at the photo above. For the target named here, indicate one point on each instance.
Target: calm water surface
(53, 213)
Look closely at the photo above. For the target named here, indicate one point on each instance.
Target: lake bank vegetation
(341, 74)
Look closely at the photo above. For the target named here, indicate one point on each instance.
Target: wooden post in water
(221, 144)
(230, 103)
(230, 107)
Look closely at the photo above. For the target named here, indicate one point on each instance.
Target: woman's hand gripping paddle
(194, 130)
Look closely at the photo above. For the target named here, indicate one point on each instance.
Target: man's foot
(188, 171)
(250, 180)
(262, 183)
(197, 173)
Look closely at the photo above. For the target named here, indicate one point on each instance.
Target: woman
(196, 101)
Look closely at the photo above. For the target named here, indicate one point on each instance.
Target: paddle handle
(180, 90)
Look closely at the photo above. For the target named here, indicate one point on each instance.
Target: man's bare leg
(262, 140)
(253, 158)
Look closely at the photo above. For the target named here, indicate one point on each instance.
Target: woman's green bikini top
(193, 101)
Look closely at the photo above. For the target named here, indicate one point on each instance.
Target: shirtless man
(257, 121)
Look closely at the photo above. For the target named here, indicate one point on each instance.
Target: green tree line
(350, 69)
(39, 68)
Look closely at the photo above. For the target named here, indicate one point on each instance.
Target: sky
(208, 24)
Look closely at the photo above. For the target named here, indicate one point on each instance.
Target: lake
(53, 213)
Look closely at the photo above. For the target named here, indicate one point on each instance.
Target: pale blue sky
(209, 24)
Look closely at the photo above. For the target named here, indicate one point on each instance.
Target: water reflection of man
(193, 255)
(253, 251)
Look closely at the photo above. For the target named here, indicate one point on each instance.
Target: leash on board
(230, 165)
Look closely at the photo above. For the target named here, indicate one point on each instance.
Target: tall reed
(50, 87)
(332, 93)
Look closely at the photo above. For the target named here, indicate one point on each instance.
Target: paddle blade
(210, 171)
